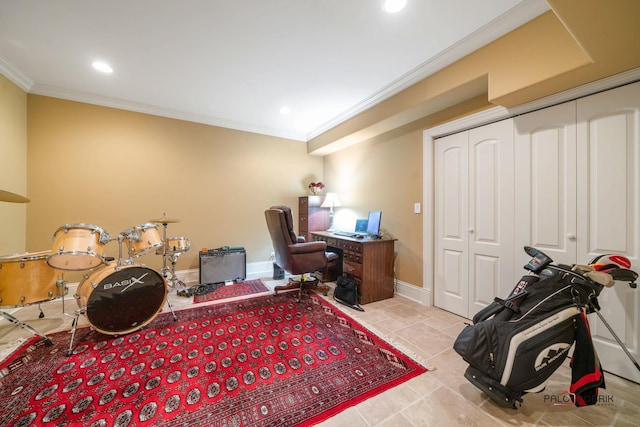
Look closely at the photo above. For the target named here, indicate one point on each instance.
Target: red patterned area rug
(236, 290)
(263, 361)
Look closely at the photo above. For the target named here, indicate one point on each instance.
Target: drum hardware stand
(172, 270)
(74, 326)
(164, 246)
(61, 284)
(16, 322)
(173, 313)
(174, 256)
(129, 261)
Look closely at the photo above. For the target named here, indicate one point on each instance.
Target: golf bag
(515, 344)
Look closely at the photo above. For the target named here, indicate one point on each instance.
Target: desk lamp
(330, 201)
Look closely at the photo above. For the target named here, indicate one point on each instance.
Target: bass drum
(120, 300)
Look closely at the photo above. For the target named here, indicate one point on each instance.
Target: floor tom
(27, 279)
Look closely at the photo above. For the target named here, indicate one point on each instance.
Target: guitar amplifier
(223, 264)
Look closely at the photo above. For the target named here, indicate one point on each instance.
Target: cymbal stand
(166, 270)
(164, 247)
(174, 278)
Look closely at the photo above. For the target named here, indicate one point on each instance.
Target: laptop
(361, 226)
(362, 229)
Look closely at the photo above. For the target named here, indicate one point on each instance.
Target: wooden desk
(369, 261)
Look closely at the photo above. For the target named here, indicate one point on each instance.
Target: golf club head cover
(601, 278)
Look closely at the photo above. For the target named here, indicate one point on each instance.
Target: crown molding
(19, 79)
(514, 18)
(138, 107)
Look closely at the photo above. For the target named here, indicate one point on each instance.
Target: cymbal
(6, 196)
(164, 220)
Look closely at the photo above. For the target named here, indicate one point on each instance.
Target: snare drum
(78, 247)
(27, 279)
(143, 239)
(175, 245)
(120, 300)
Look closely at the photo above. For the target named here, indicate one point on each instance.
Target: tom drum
(120, 300)
(27, 279)
(77, 247)
(143, 239)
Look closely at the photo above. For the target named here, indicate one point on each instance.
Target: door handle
(571, 237)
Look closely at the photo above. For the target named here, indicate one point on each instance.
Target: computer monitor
(373, 223)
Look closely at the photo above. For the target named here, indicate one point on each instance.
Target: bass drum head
(120, 302)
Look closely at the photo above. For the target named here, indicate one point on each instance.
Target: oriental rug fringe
(263, 361)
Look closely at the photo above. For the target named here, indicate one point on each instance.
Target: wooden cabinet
(311, 217)
(369, 261)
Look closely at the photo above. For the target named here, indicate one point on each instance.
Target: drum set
(116, 296)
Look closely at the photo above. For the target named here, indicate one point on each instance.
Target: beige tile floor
(441, 397)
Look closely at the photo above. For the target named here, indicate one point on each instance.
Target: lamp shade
(331, 201)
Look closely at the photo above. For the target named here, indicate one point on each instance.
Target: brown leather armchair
(294, 254)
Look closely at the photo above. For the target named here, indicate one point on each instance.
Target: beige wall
(383, 174)
(13, 166)
(117, 169)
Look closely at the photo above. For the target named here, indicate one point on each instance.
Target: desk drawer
(303, 221)
(354, 257)
(352, 268)
(348, 245)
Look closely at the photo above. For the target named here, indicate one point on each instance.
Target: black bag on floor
(346, 292)
(515, 344)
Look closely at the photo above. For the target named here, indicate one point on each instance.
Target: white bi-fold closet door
(473, 217)
(608, 189)
(576, 195)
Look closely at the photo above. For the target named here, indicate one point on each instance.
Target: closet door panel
(451, 289)
(545, 180)
(609, 211)
(490, 213)
(609, 184)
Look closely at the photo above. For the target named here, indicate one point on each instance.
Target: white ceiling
(235, 63)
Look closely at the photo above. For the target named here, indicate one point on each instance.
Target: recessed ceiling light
(102, 66)
(393, 6)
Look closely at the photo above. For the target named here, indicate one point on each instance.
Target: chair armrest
(308, 247)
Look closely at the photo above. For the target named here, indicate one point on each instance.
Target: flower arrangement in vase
(316, 187)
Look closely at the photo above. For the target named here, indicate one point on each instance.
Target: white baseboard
(414, 293)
